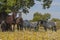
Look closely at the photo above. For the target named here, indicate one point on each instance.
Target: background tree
(14, 6)
(46, 16)
(55, 19)
(39, 16)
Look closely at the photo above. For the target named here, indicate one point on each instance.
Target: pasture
(30, 35)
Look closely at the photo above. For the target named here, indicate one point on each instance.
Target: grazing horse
(48, 24)
(30, 25)
(34, 25)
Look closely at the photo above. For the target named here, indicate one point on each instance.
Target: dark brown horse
(19, 22)
(7, 23)
(11, 20)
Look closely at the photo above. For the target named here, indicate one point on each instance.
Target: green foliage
(15, 5)
(24, 5)
(39, 16)
(46, 16)
(47, 3)
(55, 19)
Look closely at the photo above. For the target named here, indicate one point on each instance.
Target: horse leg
(45, 28)
(18, 26)
(52, 28)
(25, 27)
(21, 27)
(3, 28)
(36, 28)
(55, 28)
(10, 28)
(13, 27)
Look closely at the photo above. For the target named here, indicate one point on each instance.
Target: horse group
(25, 24)
(46, 25)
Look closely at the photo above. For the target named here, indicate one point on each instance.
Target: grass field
(30, 35)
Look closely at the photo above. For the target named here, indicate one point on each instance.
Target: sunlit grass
(30, 35)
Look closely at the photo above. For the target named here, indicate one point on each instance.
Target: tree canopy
(39, 16)
(24, 5)
(14, 6)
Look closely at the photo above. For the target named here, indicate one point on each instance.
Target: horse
(48, 24)
(3, 16)
(6, 24)
(26, 24)
(19, 23)
(30, 25)
(34, 25)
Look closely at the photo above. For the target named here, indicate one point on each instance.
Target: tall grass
(30, 35)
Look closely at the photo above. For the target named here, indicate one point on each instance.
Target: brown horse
(7, 23)
(11, 20)
(19, 22)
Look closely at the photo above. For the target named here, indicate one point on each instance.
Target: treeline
(46, 16)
